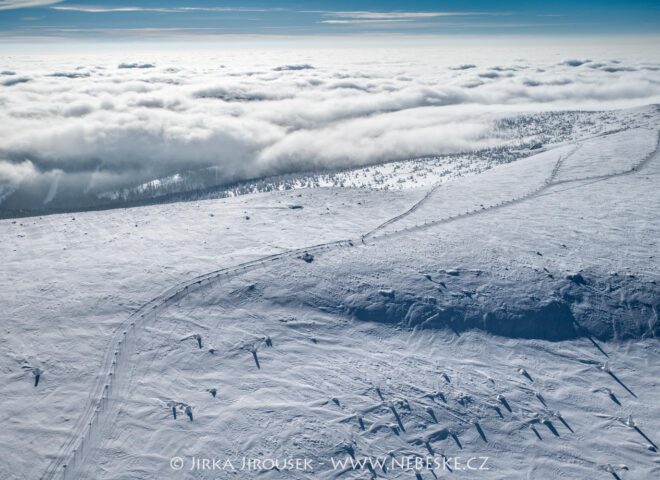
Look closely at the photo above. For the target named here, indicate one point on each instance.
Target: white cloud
(367, 15)
(11, 172)
(257, 113)
(365, 21)
(13, 4)
(110, 9)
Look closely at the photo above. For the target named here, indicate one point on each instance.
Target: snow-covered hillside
(508, 314)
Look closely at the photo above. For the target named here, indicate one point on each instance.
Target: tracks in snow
(411, 210)
(113, 380)
(547, 183)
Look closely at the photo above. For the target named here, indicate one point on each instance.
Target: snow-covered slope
(510, 315)
(68, 281)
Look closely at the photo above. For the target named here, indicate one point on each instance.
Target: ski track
(96, 419)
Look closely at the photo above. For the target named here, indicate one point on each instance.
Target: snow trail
(112, 382)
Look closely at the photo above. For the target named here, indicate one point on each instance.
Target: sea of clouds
(76, 126)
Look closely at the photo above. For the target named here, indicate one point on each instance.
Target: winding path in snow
(114, 377)
(547, 183)
(402, 215)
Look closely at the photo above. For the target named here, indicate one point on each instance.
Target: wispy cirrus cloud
(13, 4)
(120, 9)
(366, 18)
(361, 21)
(357, 15)
(398, 15)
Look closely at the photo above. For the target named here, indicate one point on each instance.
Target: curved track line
(547, 183)
(432, 190)
(412, 209)
(550, 182)
(71, 455)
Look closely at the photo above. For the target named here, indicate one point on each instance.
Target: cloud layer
(91, 125)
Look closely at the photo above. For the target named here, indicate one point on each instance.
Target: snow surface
(608, 154)
(531, 285)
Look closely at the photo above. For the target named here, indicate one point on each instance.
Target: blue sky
(117, 19)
